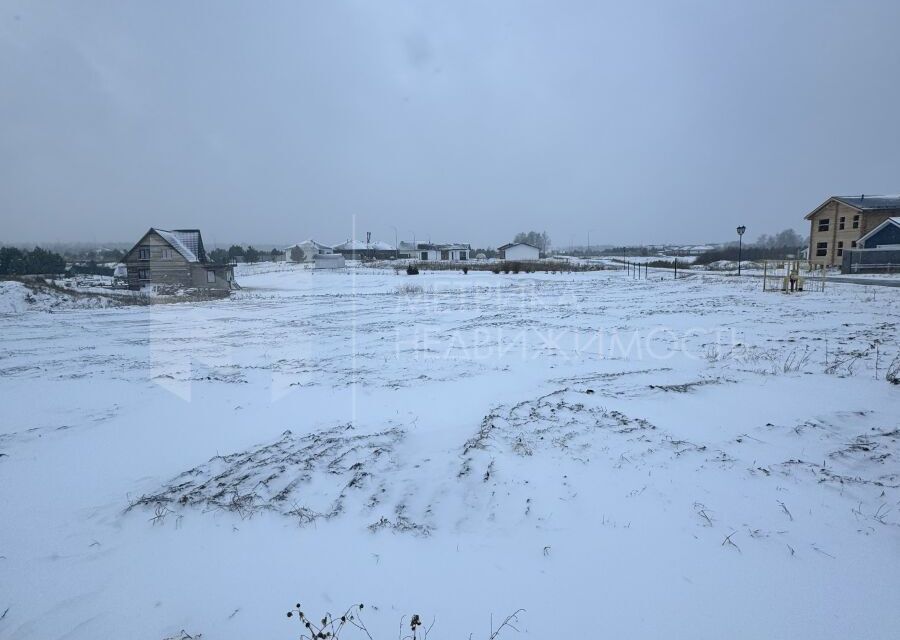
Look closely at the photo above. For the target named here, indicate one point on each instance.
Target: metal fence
(871, 261)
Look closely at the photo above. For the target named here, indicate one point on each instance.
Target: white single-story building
(429, 252)
(519, 251)
(310, 249)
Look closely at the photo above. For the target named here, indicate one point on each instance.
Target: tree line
(16, 262)
(250, 254)
(781, 245)
(536, 239)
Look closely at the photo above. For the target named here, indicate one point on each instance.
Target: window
(856, 221)
(840, 248)
(841, 222)
(821, 249)
(853, 244)
(143, 254)
(463, 255)
(823, 224)
(210, 276)
(445, 255)
(166, 254)
(143, 274)
(424, 255)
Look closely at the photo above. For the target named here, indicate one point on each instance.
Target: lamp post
(740, 231)
(396, 243)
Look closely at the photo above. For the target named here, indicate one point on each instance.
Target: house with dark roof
(518, 251)
(175, 259)
(877, 251)
(838, 224)
(430, 252)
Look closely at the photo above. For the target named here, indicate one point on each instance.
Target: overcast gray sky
(271, 122)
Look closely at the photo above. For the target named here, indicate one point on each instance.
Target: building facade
(359, 250)
(309, 248)
(519, 251)
(878, 251)
(838, 224)
(175, 259)
(428, 252)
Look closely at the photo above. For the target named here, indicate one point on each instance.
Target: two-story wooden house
(176, 259)
(837, 224)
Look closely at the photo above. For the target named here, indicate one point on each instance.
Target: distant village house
(176, 259)
(306, 251)
(359, 250)
(428, 252)
(519, 251)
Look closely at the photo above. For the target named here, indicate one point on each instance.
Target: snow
(17, 298)
(619, 457)
(178, 240)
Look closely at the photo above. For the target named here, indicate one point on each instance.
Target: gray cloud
(272, 122)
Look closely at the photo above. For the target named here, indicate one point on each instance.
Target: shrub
(333, 628)
(412, 270)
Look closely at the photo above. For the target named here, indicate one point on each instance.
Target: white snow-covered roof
(307, 243)
(187, 243)
(359, 245)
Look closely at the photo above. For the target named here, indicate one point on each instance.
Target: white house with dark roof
(429, 252)
(519, 251)
(175, 259)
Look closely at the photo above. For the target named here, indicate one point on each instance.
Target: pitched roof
(187, 242)
(432, 246)
(515, 244)
(866, 203)
(889, 221)
(316, 244)
(359, 245)
(861, 203)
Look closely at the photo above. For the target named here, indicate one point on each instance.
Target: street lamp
(740, 231)
(396, 243)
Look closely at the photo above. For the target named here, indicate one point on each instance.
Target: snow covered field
(620, 458)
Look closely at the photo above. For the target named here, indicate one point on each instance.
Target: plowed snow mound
(18, 297)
